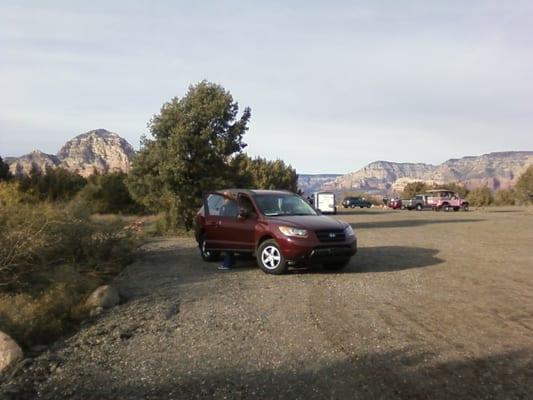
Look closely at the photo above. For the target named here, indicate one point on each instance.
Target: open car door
(227, 227)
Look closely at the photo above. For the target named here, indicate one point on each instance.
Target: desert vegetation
(51, 255)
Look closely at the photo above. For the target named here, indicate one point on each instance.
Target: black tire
(270, 258)
(419, 207)
(337, 265)
(209, 256)
(352, 206)
(446, 207)
(464, 206)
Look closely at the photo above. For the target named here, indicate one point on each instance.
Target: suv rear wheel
(207, 255)
(419, 207)
(270, 259)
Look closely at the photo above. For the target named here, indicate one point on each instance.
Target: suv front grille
(333, 235)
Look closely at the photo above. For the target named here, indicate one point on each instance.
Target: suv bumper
(298, 255)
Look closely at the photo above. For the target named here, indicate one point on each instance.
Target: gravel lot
(434, 306)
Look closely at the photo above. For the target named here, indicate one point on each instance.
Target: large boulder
(9, 351)
(103, 297)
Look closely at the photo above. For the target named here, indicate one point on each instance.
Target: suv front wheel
(270, 259)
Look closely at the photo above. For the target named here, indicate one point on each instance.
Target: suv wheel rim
(271, 257)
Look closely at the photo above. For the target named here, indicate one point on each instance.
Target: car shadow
(408, 223)
(366, 211)
(393, 258)
(380, 259)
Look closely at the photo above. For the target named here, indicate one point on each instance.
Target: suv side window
(219, 205)
(246, 203)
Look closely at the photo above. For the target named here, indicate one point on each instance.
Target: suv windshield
(283, 204)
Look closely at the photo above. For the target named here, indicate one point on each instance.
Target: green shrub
(504, 197)
(56, 184)
(524, 187)
(39, 318)
(108, 194)
(37, 235)
(480, 197)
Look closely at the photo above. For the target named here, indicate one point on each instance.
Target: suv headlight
(293, 232)
(349, 231)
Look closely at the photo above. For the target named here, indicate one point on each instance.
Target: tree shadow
(371, 375)
(408, 223)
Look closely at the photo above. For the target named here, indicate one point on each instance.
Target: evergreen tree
(414, 188)
(4, 171)
(260, 173)
(524, 187)
(194, 138)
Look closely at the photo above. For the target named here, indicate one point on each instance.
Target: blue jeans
(229, 259)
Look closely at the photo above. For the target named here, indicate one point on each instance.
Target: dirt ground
(434, 306)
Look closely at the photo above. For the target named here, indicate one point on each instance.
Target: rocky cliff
(310, 183)
(36, 160)
(98, 150)
(496, 170)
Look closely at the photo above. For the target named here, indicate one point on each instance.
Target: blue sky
(332, 85)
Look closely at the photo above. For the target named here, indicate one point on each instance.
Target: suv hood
(310, 222)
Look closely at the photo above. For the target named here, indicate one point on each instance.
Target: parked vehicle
(280, 228)
(394, 204)
(419, 202)
(446, 200)
(325, 202)
(353, 202)
(437, 200)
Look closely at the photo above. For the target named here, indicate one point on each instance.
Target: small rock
(105, 296)
(10, 351)
(96, 311)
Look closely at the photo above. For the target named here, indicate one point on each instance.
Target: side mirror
(243, 213)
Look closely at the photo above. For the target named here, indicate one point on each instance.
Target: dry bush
(51, 257)
(37, 235)
(39, 318)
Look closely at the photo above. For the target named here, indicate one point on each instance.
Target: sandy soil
(434, 306)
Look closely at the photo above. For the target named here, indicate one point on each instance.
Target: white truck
(325, 202)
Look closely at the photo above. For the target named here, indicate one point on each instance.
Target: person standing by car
(228, 209)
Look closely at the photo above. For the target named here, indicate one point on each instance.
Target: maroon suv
(280, 228)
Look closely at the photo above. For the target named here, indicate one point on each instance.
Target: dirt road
(434, 306)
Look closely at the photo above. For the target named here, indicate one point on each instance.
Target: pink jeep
(446, 200)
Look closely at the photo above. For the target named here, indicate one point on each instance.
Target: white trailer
(325, 202)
